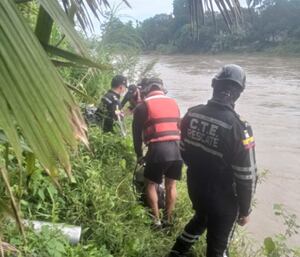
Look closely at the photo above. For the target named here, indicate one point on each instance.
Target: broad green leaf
(61, 18)
(43, 26)
(35, 94)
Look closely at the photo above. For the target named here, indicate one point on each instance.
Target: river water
(271, 104)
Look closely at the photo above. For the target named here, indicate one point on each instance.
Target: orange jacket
(163, 118)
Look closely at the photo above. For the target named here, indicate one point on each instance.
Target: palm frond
(253, 3)
(223, 9)
(229, 9)
(43, 27)
(54, 9)
(33, 95)
(83, 10)
(213, 14)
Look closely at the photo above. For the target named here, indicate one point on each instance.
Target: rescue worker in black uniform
(109, 109)
(135, 94)
(132, 96)
(218, 149)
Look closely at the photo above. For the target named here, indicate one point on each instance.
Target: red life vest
(163, 118)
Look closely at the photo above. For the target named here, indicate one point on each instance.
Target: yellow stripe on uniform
(248, 140)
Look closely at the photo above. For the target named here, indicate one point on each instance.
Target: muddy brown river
(271, 103)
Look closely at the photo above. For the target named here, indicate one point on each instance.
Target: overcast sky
(143, 9)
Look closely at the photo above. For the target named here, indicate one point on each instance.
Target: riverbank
(285, 49)
(104, 204)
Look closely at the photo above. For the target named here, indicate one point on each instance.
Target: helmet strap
(227, 94)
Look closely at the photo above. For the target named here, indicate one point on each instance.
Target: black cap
(118, 80)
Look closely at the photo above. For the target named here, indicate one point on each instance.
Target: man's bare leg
(153, 199)
(171, 194)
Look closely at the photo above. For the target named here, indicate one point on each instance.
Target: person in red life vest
(156, 123)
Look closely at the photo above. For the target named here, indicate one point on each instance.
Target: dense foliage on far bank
(273, 26)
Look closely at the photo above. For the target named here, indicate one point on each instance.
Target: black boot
(183, 244)
(175, 254)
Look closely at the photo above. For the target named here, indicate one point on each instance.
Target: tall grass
(103, 203)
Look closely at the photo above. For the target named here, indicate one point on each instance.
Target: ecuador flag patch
(249, 142)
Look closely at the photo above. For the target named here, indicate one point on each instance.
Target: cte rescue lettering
(203, 132)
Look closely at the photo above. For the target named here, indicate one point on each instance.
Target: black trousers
(219, 228)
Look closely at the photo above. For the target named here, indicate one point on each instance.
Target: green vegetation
(100, 196)
(102, 201)
(272, 26)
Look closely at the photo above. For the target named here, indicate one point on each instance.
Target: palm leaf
(223, 8)
(253, 3)
(74, 58)
(34, 94)
(95, 7)
(43, 26)
(229, 9)
(213, 14)
(83, 10)
(53, 8)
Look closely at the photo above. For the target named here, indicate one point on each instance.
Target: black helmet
(148, 84)
(118, 80)
(143, 83)
(231, 72)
